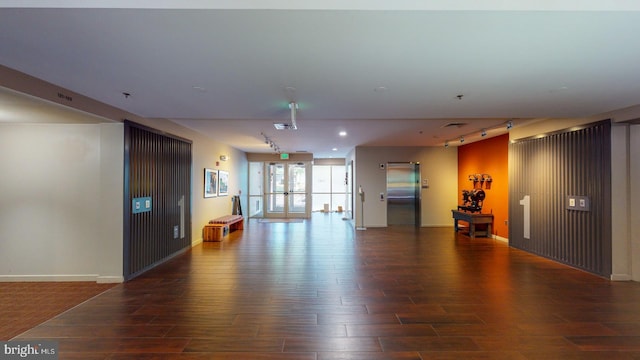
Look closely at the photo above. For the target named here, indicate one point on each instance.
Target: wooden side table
(473, 219)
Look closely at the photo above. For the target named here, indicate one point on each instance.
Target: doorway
(403, 194)
(286, 194)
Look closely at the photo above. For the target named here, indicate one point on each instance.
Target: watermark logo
(32, 350)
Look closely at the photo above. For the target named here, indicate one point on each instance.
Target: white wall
(625, 176)
(110, 221)
(61, 202)
(437, 164)
(206, 154)
(620, 210)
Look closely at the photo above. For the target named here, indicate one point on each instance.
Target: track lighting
(271, 143)
(482, 132)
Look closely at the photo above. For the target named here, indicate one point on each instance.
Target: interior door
(286, 193)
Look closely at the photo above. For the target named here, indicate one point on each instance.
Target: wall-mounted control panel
(580, 203)
(140, 205)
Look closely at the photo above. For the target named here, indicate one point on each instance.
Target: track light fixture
(483, 132)
(271, 143)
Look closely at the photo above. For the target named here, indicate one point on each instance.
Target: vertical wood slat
(157, 165)
(549, 169)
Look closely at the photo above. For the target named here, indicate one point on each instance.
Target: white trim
(48, 278)
(500, 238)
(109, 279)
(620, 277)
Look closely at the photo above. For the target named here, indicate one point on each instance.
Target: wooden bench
(220, 227)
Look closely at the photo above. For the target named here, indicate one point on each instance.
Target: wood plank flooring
(319, 290)
(24, 305)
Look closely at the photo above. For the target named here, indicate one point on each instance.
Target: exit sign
(284, 156)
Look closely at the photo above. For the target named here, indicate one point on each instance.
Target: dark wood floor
(24, 305)
(319, 290)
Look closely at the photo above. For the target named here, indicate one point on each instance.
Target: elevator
(403, 193)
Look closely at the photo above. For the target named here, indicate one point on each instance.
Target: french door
(286, 190)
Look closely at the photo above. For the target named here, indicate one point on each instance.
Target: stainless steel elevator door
(403, 194)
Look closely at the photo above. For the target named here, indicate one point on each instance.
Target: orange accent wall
(491, 157)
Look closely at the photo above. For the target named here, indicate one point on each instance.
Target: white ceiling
(387, 72)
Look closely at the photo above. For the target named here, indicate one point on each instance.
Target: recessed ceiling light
(342, 133)
(199, 88)
(381, 89)
(334, 149)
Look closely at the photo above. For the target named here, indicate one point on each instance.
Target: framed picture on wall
(210, 183)
(223, 183)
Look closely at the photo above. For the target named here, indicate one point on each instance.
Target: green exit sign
(284, 156)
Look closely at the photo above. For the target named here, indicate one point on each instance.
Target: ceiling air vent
(283, 126)
(454, 124)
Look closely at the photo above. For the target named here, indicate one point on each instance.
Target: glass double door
(286, 191)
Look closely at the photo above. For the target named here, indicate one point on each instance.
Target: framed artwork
(210, 183)
(223, 183)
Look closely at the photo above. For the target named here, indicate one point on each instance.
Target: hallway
(320, 290)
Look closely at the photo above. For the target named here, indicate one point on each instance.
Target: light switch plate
(578, 202)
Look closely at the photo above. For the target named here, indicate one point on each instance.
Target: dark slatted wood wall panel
(157, 165)
(549, 169)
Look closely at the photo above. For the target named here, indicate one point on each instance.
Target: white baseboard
(621, 277)
(48, 278)
(109, 279)
(500, 238)
(60, 278)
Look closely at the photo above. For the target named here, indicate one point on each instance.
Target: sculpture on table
(472, 200)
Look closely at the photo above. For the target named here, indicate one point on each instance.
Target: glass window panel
(297, 178)
(321, 179)
(276, 178)
(275, 203)
(297, 203)
(338, 200)
(255, 178)
(318, 201)
(255, 206)
(338, 177)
